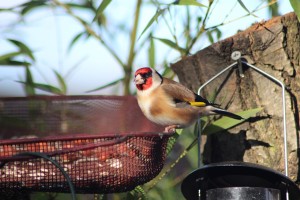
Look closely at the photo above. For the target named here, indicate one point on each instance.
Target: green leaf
(29, 89)
(101, 8)
(75, 39)
(210, 37)
(219, 33)
(75, 5)
(6, 9)
(61, 82)
(41, 86)
(23, 48)
(188, 3)
(296, 6)
(154, 18)
(10, 62)
(225, 123)
(245, 8)
(107, 85)
(170, 44)
(210, 34)
(10, 55)
(28, 6)
(151, 53)
(48, 88)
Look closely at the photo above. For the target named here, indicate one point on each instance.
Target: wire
(54, 162)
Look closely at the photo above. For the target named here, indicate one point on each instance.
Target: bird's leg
(170, 129)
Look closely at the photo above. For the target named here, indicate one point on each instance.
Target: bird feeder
(103, 144)
(240, 180)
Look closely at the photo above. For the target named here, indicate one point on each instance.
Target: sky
(88, 65)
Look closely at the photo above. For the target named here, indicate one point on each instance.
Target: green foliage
(151, 53)
(296, 6)
(158, 13)
(245, 8)
(23, 49)
(107, 85)
(10, 59)
(184, 41)
(76, 38)
(101, 8)
(29, 88)
(225, 123)
(30, 85)
(210, 35)
(188, 3)
(30, 5)
(171, 44)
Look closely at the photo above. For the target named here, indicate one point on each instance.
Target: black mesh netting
(104, 143)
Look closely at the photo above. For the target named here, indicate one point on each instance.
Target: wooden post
(274, 47)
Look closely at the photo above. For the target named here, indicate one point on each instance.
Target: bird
(169, 103)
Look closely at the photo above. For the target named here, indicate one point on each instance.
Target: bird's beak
(138, 80)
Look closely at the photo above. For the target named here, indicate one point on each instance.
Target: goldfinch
(168, 103)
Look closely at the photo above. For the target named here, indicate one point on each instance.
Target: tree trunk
(272, 46)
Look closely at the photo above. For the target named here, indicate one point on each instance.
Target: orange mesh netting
(104, 143)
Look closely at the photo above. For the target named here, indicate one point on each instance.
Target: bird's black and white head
(147, 78)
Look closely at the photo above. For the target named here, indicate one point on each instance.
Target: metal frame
(239, 64)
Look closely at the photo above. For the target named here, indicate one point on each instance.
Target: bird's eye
(147, 75)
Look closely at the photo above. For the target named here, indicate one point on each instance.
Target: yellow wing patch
(198, 104)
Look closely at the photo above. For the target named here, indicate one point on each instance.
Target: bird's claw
(170, 129)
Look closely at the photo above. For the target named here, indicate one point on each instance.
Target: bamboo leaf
(9, 55)
(245, 8)
(101, 8)
(6, 9)
(23, 48)
(151, 53)
(188, 3)
(75, 39)
(61, 82)
(105, 86)
(10, 62)
(210, 37)
(28, 6)
(170, 44)
(29, 89)
(210, 34)
(44, 87)
(225, 123)
(48, 88)
(296, 6)
(154, 18)
(84, 6)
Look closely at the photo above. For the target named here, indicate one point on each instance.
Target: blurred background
(92, 47)
(78, 48)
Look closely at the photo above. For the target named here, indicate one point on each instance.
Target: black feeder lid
(236, 174)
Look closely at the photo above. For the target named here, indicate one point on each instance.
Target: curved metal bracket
(239, 62)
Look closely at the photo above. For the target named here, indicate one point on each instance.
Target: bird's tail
(226, 113)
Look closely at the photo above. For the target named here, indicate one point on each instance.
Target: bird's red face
(143, 78)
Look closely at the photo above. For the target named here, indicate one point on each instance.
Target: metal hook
(237, 56)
